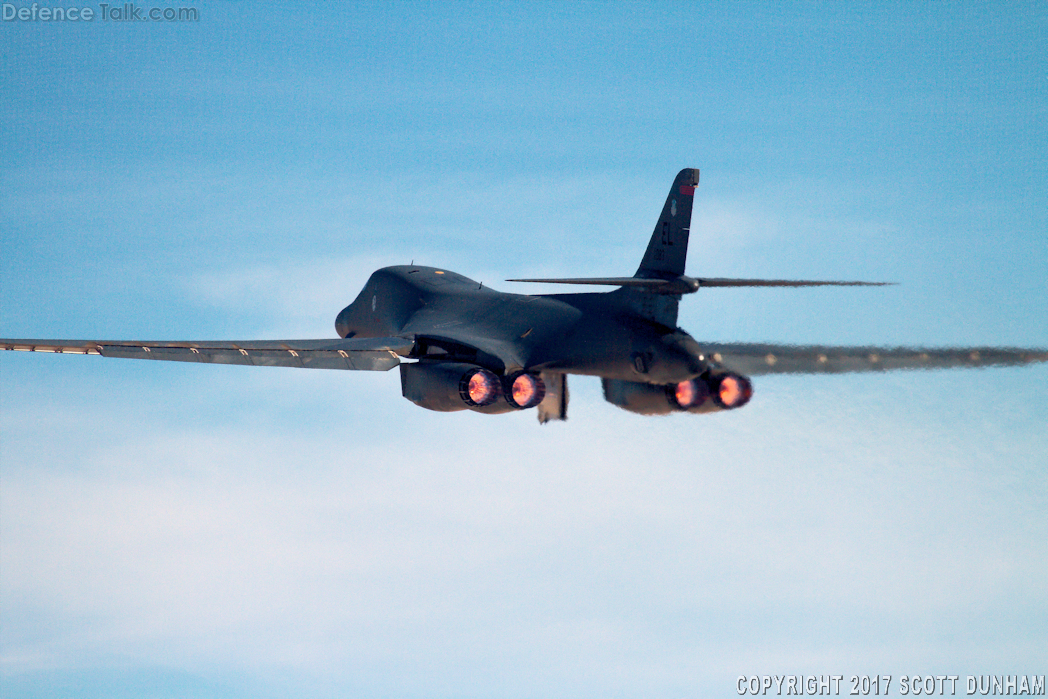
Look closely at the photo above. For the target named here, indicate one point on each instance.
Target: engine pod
(449, 386)
(638, 397)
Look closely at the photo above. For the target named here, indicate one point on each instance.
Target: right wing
(758, 359)
(362, 354)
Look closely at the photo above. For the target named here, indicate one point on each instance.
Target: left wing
(758, 359)
(362, 354)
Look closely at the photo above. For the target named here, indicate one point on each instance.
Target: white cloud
(790, 536)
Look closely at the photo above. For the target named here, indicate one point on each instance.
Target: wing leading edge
(360, 354)
(758, 359)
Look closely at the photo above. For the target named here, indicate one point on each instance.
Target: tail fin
(668, 248)
(655, 290)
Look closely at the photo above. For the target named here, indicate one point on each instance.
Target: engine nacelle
(638, 397)
(704, 394)
(450, 386)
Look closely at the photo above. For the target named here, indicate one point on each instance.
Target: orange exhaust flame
(730, 391)
(523, 389)
(685, 393)
(690, 394)
(483, 388)
(733, 391)
(526, 391)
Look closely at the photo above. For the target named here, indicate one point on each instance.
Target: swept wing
(756, 359)
(361, 354)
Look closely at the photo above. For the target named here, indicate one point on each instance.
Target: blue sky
(232, 532)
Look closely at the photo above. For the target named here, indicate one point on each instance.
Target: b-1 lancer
(474, 348)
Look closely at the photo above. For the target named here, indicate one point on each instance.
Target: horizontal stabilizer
(361, 354)
(759, 359)
(684, 285)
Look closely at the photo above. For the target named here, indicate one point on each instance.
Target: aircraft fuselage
(590, 333)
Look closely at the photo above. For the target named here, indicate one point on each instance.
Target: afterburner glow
(690, 393)
(483, 387)
(526, 390)
(733, 391)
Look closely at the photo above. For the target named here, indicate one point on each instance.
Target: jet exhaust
(730, 391)
(451, 386)
(703, 394)
(479, 387)
(690, 394)
(524, 390)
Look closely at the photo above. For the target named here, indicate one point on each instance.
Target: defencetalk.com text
(104, 12)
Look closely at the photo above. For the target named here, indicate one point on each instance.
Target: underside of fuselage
(491, 352)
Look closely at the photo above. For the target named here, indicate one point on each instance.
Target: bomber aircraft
(473, 348)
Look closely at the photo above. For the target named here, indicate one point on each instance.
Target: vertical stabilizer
(668, 248)
(666, 254)
(654, 291)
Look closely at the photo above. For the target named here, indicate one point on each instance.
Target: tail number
(667, 238)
